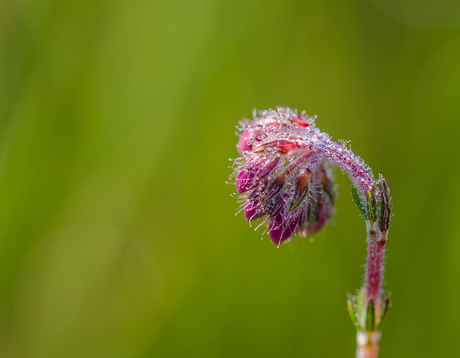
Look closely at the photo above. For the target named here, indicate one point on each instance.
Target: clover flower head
(283, 179)
(283, 176)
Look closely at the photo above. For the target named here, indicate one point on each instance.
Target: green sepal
(359, 202)
(360, 305)
(386, 308)
(352, 310)
(384, 204)
(370, 316)
(371, 206)
(384, 212)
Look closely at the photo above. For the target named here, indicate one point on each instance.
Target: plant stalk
(367, 347)
(368, 340)
(376, 241)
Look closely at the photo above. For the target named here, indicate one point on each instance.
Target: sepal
(386, 308)
(376, 205)
(370, 316)
(367, 316)
(359, 202)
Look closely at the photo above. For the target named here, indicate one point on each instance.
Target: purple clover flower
(284, 172)
(283, 179)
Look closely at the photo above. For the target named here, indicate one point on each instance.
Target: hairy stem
(368, 339)
(346, 160)
(376, 241)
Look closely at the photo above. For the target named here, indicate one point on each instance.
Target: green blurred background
(117, 233)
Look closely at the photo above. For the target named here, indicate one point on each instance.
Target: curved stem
(346, 160)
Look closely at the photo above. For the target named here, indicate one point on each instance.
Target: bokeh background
(117, 232)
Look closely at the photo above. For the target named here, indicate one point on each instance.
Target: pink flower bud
(251, 134)
(245, 137)
(274, 187)
(280, 230)
(254, 171)
(252, 210)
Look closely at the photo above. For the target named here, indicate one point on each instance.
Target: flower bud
(243, 142)
(254, 171)
(251, 134)
(252, 209)
(280, 229)
(275, 187)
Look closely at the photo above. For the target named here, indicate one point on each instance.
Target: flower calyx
(376, 205)
(369, 315)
